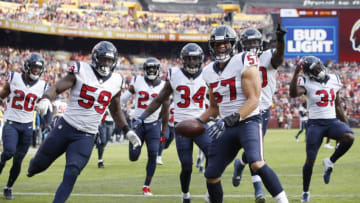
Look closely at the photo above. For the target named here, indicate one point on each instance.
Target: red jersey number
(198, 97)
(88, 100)
(29, 101)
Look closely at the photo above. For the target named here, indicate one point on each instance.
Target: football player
(153, 130)
(322, 93)
(188, 89)
(234, 92)
(251, 40)
(22, 91)
(93, 87)
(303, 120)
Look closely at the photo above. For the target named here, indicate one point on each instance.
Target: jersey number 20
(20, 96)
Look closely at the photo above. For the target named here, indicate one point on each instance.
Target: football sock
(63, 192)
(100, 151)
(281, 198)
(307, 172)
(215, 192)
(148, 180)
(341, 150)
(185, 177)
(270, 180)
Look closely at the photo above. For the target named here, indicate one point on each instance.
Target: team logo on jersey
(355, 36)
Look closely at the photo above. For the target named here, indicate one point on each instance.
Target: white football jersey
(22, 98)
(60, 107)
(188, 94)
(226, 83)
(144, 94)
(89, 97)
(268, 77)
(321, 96)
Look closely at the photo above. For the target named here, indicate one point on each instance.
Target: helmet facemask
(34, 66)
(222, 51)
(152, 71)
(253, 46)
(104, 64)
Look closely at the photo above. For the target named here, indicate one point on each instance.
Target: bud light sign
(311, 36)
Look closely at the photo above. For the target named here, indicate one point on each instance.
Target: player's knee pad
(7, 154)
(72, 170)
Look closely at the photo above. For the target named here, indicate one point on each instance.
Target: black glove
(232, 119)
(280, 32)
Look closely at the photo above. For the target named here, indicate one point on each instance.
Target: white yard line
(171, 195)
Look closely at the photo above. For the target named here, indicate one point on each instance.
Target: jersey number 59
(88, 100)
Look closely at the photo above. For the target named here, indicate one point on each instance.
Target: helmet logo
(355, 36)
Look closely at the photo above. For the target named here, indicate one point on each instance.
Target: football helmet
(151, 68)
(221, 34)
(251, 41)
(313, 67)
(192, 57)
(34, 60)
(104, 58)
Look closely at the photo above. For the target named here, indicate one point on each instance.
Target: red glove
(162, 139)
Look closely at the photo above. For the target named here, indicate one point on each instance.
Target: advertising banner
(349, 35)
(98, 33)
(317, 36)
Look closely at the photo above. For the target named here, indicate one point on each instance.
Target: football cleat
(207, 198)
(159, 160)
(305, 197)
(238, 169)
(328, 146)
(259, 193)
(101, 165)
(146, 191)
(328, 167)
(186, 197)
(8, 194)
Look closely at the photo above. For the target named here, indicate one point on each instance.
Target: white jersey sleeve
(321, 96)
(188, 94)
(144, 95)
(89, 97)
(22, 98)
(268, 79)
(226, 83)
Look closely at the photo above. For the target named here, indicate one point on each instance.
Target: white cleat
(328, 146)
(146, 191)
(159, 160)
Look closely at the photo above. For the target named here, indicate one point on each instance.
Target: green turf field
(122, 180)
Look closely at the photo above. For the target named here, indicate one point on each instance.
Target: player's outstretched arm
(160, 99)
(339, 110)
(296, 90)
(251, 86)
(164, 115)
(124, 98)
(212, 111)
(278, 56)
(5, 91)
(65, 83)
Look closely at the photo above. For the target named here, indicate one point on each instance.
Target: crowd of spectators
(107, 15)
(283, 107)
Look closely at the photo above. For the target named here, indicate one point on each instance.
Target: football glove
(280, 32)
(216, 130)
(44, 105)
(132, 136)
(162, 139)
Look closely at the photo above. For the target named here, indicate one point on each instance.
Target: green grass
(124, 178)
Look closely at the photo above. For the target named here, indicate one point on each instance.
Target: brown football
(189, 128)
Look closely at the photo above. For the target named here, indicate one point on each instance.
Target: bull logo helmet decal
(355, 36)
